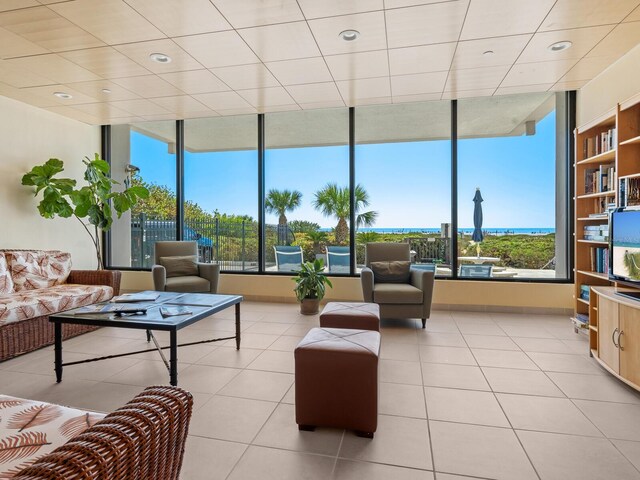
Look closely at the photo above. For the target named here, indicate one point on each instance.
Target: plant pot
(309, 306)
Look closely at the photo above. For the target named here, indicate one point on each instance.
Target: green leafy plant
(94, 201)
(311, 281)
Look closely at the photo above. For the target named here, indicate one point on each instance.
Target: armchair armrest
(366, 278)
(110, 278)
(143, 439)
(424, 280)
(159, 277)
(210, 271)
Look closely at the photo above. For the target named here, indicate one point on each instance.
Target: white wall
(29, 136)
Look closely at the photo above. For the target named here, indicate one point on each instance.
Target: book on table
(175, 311)
(118, 309)
(135, 297)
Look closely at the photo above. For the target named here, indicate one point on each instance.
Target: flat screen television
(624, 249)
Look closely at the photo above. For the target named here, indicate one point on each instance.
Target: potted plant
(310, 286)
(94, 201)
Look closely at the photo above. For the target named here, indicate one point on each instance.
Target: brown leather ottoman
(337, 380)
(358, 315)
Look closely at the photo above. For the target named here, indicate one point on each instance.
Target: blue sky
(409, 183)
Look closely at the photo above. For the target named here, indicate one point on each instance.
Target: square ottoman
(336, 373)
(358, 315)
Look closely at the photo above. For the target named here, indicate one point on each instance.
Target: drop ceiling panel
(106, 62)
(304, 70)
(314, 105)
(23, 96)
(583, 39)
(237, 111)
(102, 110)
(55, 67)
(418, 83)
(48, 91)
(359, 65)
(586, 13)
(425, 24)
(332, 8)
(315, 93)
(112, 21)
(267, 97)
(497, 18)
(175, 18)
(16, 76)
(140, 107)
(372, 88)
(74, 114)
(621, 39)
(538, 72)
(389, 4)
(633, 16)
(475, 78)
(181, 105)
(422, 59)
(251, 13)
(423, 97)
(139, 52)
(15, 4)
(218, 49)
(285, 41)
(243, 77)
(222, 101)
(489, 52)
(94, 90)
(485, 92)
(148, 86)
(12, 45)
(370, 25)
(587, 68)
(523, 89)
(195, 81)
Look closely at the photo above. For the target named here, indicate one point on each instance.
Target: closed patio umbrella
(477, 219)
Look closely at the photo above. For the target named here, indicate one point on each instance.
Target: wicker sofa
(35, 284)
(143, 440)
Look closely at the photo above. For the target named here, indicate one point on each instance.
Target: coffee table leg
(173, 361)
(237, 326)
(57, 327)
(148, 335)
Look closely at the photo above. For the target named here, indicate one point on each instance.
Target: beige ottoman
(358, 315)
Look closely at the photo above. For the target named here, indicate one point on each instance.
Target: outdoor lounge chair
(288, 259)
(338, 259)
(475, 271)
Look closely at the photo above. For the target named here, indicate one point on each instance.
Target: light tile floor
(475, 395)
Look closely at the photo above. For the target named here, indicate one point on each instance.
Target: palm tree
(334, 201)
(280, 202)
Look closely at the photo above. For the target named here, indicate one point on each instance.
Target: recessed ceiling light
(63, 95)
(106, 90)
(488, 52)
(349, 35)
(559, 46)
(160, 58)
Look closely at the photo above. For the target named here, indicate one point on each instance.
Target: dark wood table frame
(170, 324)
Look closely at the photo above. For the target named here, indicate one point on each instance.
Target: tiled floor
(475, 395)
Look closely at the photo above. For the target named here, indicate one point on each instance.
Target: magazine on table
(135, 297)
(118, 309)
(174, 311)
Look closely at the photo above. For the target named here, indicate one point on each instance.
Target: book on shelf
(599, 233)
(601, 179)
(582, 318)
(599, 257)
(135, 297)
(629, 192)
(584, 292)
(601, 143)
(175, 311)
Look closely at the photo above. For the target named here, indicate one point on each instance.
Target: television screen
(625, 245)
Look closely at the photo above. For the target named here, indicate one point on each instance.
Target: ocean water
(465, 231)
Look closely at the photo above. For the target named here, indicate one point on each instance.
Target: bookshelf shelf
(633, 175)
(588, 273)
(582, 300)
(594, 328)
(596, 242)
(631, 141)
(608, 193)
(590, 219)
(602, 157)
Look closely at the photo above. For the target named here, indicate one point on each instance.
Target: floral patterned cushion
(32, 270)
(6, 282)
(25, 304)
(30, 429)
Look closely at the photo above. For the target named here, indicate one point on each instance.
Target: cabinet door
(608, 332)
(630, 343)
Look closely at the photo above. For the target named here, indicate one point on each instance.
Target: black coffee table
(201, 305)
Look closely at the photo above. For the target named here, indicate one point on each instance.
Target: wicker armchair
(143, 440)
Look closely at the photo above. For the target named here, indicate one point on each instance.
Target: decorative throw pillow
(391, 272)
(180, 266)
(57, 266)
(6, 282)
(39, 269)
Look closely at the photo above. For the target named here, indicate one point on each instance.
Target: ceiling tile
(251, 13)
(140, 107)
(243, 77)
(181, 18)
(238, 111)
(633, 16)
(587, 68)
(23, 96)
(586, 13)
(106, 62)
(621, 39)
(56, 68)
(583, 40)
(324, 104)
(422, 59)
(125, 120)
(315, 93)
(359, 65)
(181, 105)
(410, 3)
(46, 28)
(303, 70)
(475, 78)
(217, 49)
(222, 101)
(112, 21)
(102, 110)
(278, 108)
(332, 8)
(352, 90)
(573, 85)
(139, 52)
(195, 81)
(94, 90)
(424, 97)
(426, 24)
(370, 25)
(15, 4)
(372, 101)
(281, 42)
(470, 54)
(265, 97)
(17, 76)
(497, 18)
(538, 72)
(148, 86)
(418, 83)
(12, 45)
(483, 92)
(49, 90)
(74, 114)
(543, 87)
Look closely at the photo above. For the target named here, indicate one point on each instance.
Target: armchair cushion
(391, 272)
(396, 293)
(180, 266)
(189, 283)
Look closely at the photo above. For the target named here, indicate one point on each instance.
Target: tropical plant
(311, 281)
(93, 201)
(367, 237)
(282, 201)
(632, 264)
(303, 226)
(317, 237)
(334, 201)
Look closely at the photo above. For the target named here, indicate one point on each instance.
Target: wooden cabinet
(629, 343)
(608, 330)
